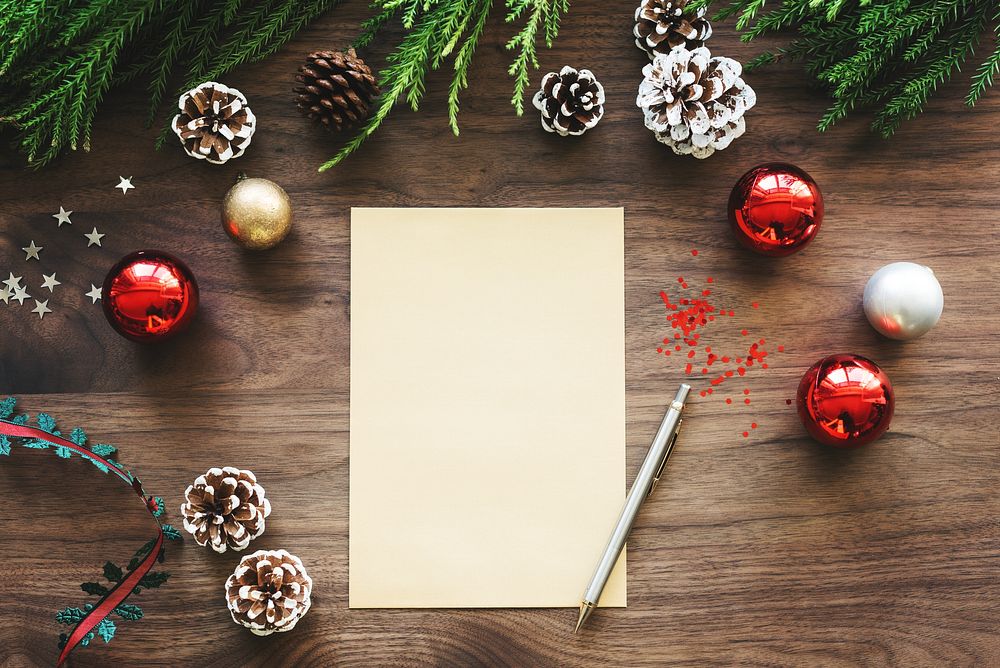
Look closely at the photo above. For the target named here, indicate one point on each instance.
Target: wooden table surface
(766, 549)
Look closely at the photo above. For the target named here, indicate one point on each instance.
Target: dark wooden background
(765, 550)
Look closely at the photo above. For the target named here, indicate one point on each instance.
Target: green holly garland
(113, 573)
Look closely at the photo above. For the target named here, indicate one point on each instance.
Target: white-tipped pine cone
(571, 101)
(214, 122)
(694, 103)
(225, 509)
(661, 25)
(269, 592)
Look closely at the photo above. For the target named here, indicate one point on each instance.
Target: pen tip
(585, 610)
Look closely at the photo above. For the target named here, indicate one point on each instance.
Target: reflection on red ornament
(149, 296)
(845, 401)
(775, 209)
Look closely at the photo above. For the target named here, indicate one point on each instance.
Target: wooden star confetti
(50, 282)
(62, 217)
(20, 294)
(41, 308)
(31, 251)
(125, 184)
(5, 295)
(95, 293)
(13, 282)
(94, 238)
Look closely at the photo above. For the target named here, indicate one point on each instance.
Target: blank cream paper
(487, 405)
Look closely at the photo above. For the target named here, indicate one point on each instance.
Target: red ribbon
(121, 591)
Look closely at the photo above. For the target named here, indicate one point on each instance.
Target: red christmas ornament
(150, 296)
(775, 209)
(845, 401)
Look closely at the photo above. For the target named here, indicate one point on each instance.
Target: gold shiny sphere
(257, 213)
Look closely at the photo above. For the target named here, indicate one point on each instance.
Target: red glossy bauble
(845, 401)
(150, 296)
(775, 209)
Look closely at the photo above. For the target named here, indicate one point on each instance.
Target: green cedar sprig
(888, 56)
(440, 29)
(58, 60)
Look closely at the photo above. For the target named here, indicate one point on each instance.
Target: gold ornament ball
(257, 213)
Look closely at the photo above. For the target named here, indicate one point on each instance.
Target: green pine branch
(886, 56)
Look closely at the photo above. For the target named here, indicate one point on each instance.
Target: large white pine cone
(693, 102)
(269, 592)
(225, 509)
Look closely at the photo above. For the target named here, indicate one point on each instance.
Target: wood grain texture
(767, 550)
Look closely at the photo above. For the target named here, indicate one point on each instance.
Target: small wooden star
(13, 282)
(125, 184)
(31, 251)
(95, 293)
(94, 238)
(62, 216)
(50, 282)
(41, 308)
(20, 294)
(5, 295)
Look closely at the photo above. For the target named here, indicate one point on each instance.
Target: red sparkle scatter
(709, 280)
(728, 400)
(690, 354)
(746, 391)
(677, 335)
(788, 402)
(666, 352)
(687, 369)
(659, 350)
(729, 374)
(755, 305)
(710, 390)
(781, 349)
(677, 348)
(745, 434)
(704, 369)
(703, 393)
(694, 251)
(753, 425)
(680, 279)
(711, 318)
(741, 371)
(761, 342)
(764, 365)
(731, 314)
(743, 332)
(725, 359)
(705, 293)
(746, 401)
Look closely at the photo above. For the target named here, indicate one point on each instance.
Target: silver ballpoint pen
(643, 485)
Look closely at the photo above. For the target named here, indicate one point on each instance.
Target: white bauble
(903, 300)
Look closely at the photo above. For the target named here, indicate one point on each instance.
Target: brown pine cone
(661, 25)
(215, 123)
(571, 101)
(269, 592)
(337, 88)
(225, 508)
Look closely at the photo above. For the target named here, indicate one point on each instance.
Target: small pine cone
(571, 101)
(694, 103)
(269, 592)
(215, 123)
(337, 88)
(661, 25)
(225, 508)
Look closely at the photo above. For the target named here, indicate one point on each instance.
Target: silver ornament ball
(903, 300)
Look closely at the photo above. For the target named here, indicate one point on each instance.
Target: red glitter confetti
(709, 280)
(694, 251)
(746, 401)
(753, 425)
(745, 434)
(781, 349)
(755, 305)
(788, 402)
(729, 400)
(743, 332)
(746, 391)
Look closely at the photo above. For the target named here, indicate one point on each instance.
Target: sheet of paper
(487, 405)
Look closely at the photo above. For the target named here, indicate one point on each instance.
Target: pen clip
(666, 456)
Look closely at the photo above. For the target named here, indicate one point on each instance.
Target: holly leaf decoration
(106, 629)
(7, 407)
(70, 616)
(129, 612)
(47, 423)
(112, 572)
(103, 449)
(4, 447)
(161, 506)
(94, 588)
(170, 532)
(154, 579)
